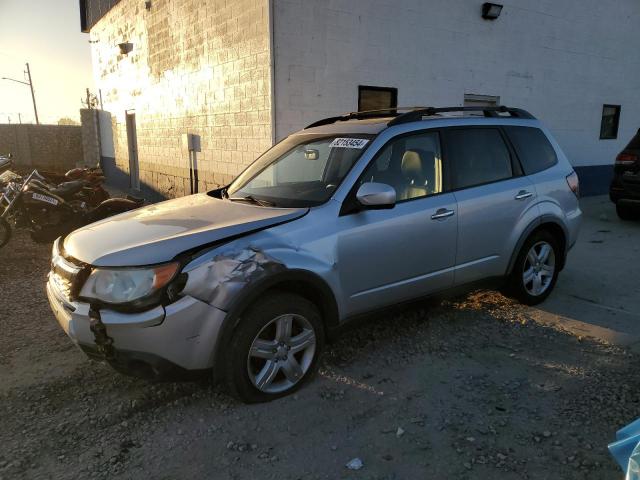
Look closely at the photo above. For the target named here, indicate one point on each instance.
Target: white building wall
(559, 59)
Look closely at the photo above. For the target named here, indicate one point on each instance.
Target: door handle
(523, 194)
(442, 213)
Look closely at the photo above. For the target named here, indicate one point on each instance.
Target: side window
(533, 148)
(479, 156)
(411, 164)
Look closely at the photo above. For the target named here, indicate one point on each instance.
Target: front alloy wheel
(281, 353)
(274, 347)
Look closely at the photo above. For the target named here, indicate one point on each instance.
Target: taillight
(626, 159)
(574, 183)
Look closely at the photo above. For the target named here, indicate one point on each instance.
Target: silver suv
(350, 215)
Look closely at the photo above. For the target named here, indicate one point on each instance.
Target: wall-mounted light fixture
(125, 47)
(491, 11)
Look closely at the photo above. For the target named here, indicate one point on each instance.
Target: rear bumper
(574, 222)
(624, 192)
(181, 336)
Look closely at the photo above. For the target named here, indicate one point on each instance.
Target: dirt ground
(467, 388)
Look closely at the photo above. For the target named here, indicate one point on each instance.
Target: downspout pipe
(272, 66)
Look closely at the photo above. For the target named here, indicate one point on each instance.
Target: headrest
(411, 163)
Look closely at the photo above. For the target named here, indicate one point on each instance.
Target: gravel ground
(463, 388)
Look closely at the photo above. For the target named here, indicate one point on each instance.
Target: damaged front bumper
(177, 337)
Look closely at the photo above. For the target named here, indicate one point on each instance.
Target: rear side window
(533, 148)
(479, 156)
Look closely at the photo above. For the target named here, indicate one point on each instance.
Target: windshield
(300, 171)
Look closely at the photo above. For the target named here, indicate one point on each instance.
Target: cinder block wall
(199, 67)
(47, 147)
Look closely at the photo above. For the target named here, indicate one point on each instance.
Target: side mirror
(376, 195)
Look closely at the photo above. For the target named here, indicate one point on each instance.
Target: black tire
(252, 323)
(516, 286)
(625, 212)
(5, 232)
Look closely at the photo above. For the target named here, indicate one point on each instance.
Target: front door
(493, 199)
(132, 141)
(387, 256)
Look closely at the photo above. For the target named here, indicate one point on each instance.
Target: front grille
(67, 275)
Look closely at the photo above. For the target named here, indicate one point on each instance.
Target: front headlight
(126, 285)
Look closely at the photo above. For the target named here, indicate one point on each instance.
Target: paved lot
(599, 291)
(473, 387)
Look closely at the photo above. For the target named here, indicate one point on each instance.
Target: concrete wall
(199, 67)
(560, 60)
(47, 147)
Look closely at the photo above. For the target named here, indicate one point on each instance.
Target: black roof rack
(418, 114)
(362, 115)
(415, 114)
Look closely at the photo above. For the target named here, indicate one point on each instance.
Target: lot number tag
(44, 198)
(358, 143)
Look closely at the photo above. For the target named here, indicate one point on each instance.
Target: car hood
(158, 232)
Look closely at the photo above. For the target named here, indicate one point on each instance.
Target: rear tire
(274, 349)
(5, 232)
(536, 269)
(626, 212)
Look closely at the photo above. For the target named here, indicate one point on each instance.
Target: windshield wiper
(252, 199)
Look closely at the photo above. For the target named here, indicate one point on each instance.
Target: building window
(610, 121)
(376, 98)
(472, 100)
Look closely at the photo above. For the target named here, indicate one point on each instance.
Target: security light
(491, 11)
(125, 47)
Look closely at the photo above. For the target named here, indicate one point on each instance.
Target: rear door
(494, 200)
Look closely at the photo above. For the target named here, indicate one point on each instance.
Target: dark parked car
(625, 187)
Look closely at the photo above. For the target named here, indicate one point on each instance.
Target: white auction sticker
(44, 198)
(358, 143)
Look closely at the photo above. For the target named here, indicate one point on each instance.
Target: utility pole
(33, 95)
(30, 83)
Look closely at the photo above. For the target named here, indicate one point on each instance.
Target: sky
(45, 33)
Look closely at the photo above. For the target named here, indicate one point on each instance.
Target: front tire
(5, 232)
(274, 349)
(535, 272)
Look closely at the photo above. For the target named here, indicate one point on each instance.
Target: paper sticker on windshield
(358, 143)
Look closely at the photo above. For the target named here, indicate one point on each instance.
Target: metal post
(33, 96)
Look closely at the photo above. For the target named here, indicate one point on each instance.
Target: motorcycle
(48, 215)
(6, 162)
(86, 187)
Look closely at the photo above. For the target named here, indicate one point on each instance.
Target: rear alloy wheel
(275, 347)
(625, 212)
(5, 232)
(539, 268)
(536, 269)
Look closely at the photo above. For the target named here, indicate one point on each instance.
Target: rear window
(634, 143)
(533, 148)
